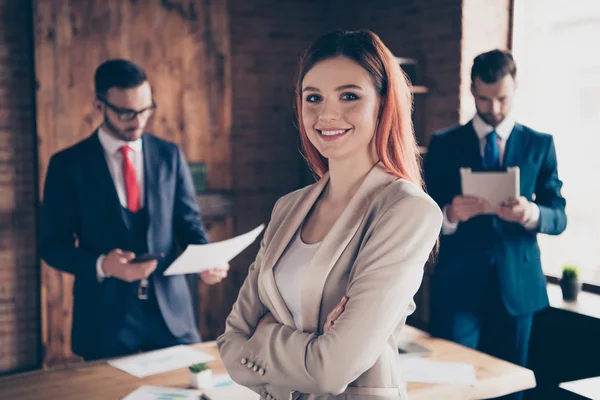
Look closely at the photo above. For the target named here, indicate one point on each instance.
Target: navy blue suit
(488, 276)
(82, 219)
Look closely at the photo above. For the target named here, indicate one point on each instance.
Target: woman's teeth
(333, 133)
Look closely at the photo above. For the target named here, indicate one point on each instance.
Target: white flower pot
(201, 380)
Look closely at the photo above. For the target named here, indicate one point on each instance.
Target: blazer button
(250, 365)
(255, 369)
(261, 372)
(243, 361)
(269, 397)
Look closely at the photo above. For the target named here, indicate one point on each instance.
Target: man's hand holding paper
(214, 275)
(515, 209)
(463, 208)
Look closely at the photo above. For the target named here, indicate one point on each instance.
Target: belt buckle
(142, 292)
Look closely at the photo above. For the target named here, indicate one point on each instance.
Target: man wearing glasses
(115, 206)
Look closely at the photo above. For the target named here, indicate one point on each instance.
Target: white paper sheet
(226, 389)
(158, 361)
(589, 387)
(200, 257)
(428, 371)
(163, 393)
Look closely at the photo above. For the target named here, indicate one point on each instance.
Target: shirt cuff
(99, 271)
(533, 222)
(448, 228)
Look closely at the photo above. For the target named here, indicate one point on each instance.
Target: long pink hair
(394, 137)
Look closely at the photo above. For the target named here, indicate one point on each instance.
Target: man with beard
(110, 198)
(488, 281)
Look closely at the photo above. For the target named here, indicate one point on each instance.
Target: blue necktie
(491, 155)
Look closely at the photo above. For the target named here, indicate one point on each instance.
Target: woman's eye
(349, 96)
(312, 98)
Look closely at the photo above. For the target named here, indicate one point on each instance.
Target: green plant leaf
(195, 368)
(570, 272)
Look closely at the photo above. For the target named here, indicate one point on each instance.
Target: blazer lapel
(469, 146)
(334, 244)
(282, 237)
(104, 182)
(515, 147)
(152, 163)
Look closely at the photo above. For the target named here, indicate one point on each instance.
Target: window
(555, 45)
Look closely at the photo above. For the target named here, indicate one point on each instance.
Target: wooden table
(97, 380)
(495, 377)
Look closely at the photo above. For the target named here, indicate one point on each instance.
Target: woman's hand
(335, 314)
(266, 319)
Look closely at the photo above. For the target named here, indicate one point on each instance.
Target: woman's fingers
(335, 313)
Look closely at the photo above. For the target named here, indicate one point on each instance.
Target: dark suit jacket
(82, 219)
(468, 257)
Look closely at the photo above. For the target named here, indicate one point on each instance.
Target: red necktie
(131, 183)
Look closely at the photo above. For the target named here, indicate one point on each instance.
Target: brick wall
(19, 266)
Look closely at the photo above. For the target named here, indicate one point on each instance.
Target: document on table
(226, 389)
(163, 393)
(200, 257)
(492, 186)
(589, 387)
(408, 349)
(428, 371)
(158, 361)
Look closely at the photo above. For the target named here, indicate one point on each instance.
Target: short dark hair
(493, 65)
(117, 73)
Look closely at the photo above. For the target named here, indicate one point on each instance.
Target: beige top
(289, 274)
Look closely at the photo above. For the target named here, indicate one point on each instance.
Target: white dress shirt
(114, 160)
(289, 274)
(504, 129)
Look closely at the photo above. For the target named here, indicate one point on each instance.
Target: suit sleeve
(187, 220)
(386, 275)
(434, 172)
(59, 222)
(553, 219)
(436, 180)
(241, 322)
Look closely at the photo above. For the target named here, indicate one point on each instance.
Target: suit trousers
(488, 328)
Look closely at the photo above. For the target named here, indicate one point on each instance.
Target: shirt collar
(112, 145)
(482, 129)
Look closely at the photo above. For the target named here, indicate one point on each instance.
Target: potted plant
(200, 376)
(570, 283)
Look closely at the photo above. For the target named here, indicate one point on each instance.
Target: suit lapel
(282, 237)
(103, 182)
(152, 163)
(469, 146)
(335, 242)
(515, 147)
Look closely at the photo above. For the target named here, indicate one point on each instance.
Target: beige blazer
(374, 254)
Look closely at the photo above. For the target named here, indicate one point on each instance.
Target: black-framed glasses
(127, 114)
